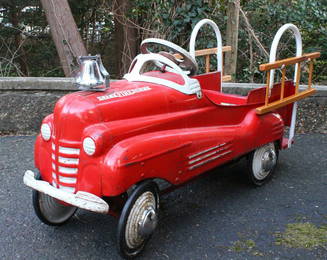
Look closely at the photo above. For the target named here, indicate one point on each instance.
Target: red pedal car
(104, 148)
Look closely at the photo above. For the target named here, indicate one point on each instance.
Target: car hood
(122, 100)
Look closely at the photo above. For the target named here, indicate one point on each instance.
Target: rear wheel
(262, 163)
(138, 219)
(49, 210)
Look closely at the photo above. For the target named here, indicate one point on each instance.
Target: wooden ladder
(206, 53)
(282, 64)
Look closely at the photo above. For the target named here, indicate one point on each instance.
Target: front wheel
(49, 210)
(138, 219)
(262, 163)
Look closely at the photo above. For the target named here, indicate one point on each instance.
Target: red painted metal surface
(145, 130)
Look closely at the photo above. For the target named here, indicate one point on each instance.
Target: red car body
(145, 131)
(103, 151)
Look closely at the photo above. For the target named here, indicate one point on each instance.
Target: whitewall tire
(262, 163)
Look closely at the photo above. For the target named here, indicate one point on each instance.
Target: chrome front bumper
(81, 199)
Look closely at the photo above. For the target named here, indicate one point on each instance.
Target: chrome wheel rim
(142, 220)
(264, 161)
(54, 211)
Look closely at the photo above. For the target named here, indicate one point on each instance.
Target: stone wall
(24, 102)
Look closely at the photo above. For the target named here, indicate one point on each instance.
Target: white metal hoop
(219, 42)
(274, 46)
(272, 58)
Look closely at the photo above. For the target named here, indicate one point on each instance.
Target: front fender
(42, 152)
(152, 155)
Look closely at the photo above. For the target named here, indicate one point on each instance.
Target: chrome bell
(92, 75)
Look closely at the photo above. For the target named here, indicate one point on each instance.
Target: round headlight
(89, 146)
(46, 132)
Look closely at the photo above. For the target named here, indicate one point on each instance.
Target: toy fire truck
(104, 148)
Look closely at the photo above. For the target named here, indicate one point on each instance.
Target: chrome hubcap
(264, 160)
(268, 160)
(142, 220)
(148, 223)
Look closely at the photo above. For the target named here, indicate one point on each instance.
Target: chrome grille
(65, 160)
(68, 150)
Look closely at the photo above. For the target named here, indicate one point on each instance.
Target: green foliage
(26, 47)
(267, 17)
(303, 235)
(174, 20)
(246, 246)
(170, 18)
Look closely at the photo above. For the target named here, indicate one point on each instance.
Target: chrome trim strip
(207, 150)
(227, 104)
(67, 170)
(67, 180)
(67, 150)
(67, 189)
(207, 155)
(66, 160)
(209, 160)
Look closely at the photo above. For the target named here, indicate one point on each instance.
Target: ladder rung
(288, 100)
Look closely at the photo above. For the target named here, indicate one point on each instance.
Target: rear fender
(258, 130)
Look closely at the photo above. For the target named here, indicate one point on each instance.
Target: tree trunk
(126, 41)
(233, 12)
(65, 34)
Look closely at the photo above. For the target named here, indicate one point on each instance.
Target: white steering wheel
(187, 62)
